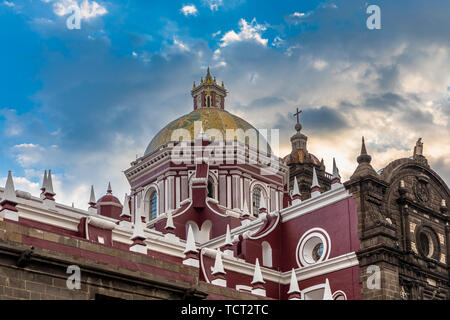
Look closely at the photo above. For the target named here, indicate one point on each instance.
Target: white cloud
(215, 34)
(180, 45)
(88, 9)
(189, 10)
(213, 4)
(8, 4)
(248, 32)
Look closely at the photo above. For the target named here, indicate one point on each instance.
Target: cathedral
(213, 213)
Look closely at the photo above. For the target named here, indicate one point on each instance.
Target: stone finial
(92, 201)
(258, 281)
(294, 291)
(364, 167)
(315, 187)
(228, 240)
(139, 236)
(138, 230)
(9, 201)
(245, 212)
(126, 213)
(364, 157)
(327, 295)
(418, 149)
(257, 275)
(49, 186)
(218, 272)
(336, 174)
(169, 222)
(190, 242)
(190, 251)
(109, 190)
(9, 193)
(296, 196)
(218, 264)
(44, 181)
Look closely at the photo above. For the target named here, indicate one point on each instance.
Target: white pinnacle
(296, 191)
(228, 240)
(49, 184)
(9, 193)
(169, 222)
(245, 211)
(315, 182)
(335, 170)
(138, 231)
(92, 197)
(44, 180)
(327, 292)
(126, 207)
(293, 288)
(190, 241)
(218, 265)
(257, 275)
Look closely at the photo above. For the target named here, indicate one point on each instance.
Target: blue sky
(85, 102)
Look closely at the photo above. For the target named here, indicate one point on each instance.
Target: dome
(301, 156)
(211, 118)
(108, 199)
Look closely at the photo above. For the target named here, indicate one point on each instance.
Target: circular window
(427, 242)
(317, 251)
(424, 244)
(313, 247)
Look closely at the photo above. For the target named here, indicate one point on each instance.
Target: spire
(138, 230)
(296, 196)
(9, 194)
(49, 185)
(327, 295)
(257, 275)
(296, 190)
(364, 167)
(208, 78)
(218, 264)
(315, 187)
(245, 211)
(126, 207)
(44, 181)
(315, 182)
(190, 241)
(92, 197)
(293, 287)
(335, 170)
(364, 157)
(109, 190)
(228, 240)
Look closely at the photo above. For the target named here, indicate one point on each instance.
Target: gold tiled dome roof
(301, 156)
(211, 118)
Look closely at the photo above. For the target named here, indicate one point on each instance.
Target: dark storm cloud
(323, 119)
(384, 101)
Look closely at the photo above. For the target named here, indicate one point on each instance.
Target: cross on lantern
(297, 114)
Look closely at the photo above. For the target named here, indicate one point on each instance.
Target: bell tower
(209, 94)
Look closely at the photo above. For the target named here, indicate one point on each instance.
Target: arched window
(208, 101)
(266, 254)
(153, 213)
(255, 200)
